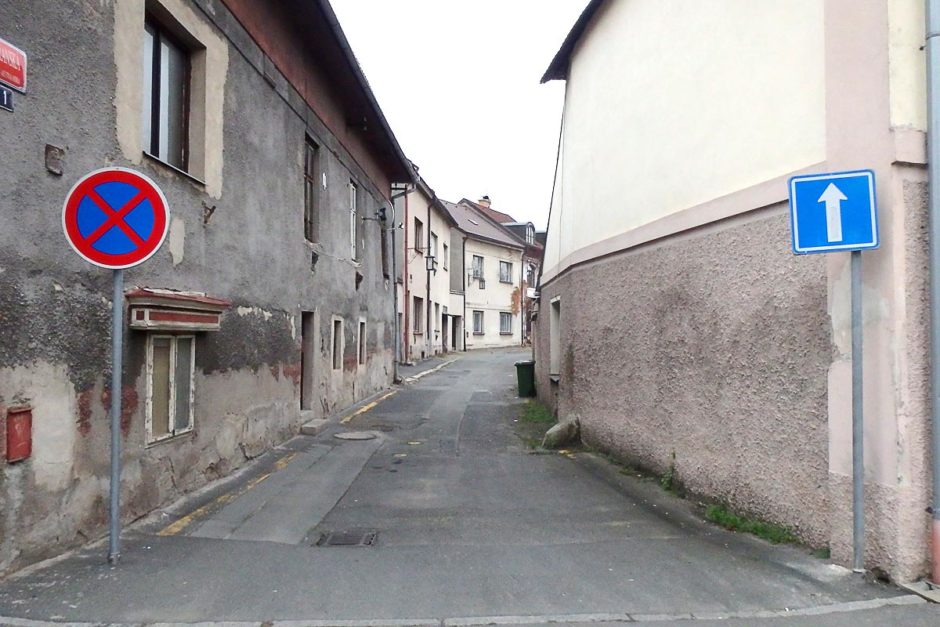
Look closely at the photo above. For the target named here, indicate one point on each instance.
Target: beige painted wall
(431, 341)
(873, 101)
(756, 82)
(496, 297)
(907, 64)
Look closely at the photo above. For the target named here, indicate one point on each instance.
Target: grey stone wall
(54, 307)
(709, 351)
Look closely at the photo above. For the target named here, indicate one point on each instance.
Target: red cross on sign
(115, 218)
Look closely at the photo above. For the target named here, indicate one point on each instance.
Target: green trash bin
(525, 373)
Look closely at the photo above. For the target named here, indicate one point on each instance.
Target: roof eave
(558, 68)
(407, 172)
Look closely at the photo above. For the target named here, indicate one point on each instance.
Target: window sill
(192, 178)
(505, 333)
(506, 282)
(417, 333)
(554, 378)
(170, 438)
(475, 333)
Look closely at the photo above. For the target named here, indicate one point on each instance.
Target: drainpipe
(395, 377)
(933, 169)
(404, 192)
(408, 299)
(463, 277)
(428, 344)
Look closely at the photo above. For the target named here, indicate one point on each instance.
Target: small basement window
(170, 367)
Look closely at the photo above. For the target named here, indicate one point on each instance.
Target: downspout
(428, 345)
(463, 277)
(398, 332)
(933, 170)
(395, 376)
(408, 299)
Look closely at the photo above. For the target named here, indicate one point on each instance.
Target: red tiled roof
(496, 216)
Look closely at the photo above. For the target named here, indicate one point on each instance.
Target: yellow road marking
(368, 407)
(180, 524)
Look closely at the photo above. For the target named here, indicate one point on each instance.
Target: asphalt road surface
(444, 517)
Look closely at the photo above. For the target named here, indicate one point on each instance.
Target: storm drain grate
(349, 537)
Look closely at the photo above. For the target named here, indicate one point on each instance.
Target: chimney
(484, 202)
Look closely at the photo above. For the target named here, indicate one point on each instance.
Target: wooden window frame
(171, 410)
(311, 189)
(153, 143)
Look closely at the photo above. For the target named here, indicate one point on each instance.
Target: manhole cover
(349, 537)
(355, 435)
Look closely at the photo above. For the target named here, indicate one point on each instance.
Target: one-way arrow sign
(833, 212)
(833, 198)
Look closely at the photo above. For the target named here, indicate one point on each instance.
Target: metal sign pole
(117, 367)
(858, 450)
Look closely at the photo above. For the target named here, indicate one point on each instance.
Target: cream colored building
(430, 318)
(674, 318)
(492, 265)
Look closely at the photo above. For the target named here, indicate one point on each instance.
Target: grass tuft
(536, 413)
(722, 516)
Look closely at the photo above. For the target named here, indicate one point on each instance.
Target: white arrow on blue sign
(833, 212)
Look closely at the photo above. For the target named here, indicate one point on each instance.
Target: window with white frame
(446, 254)
(362, 342)
(478, 323)
(505, 323)
(353, 221)
(530, 234)
(170, 366)
(477, 267)
(417, 312)
(434, 244)
(505, 272)
(166, 92)
(419, 236)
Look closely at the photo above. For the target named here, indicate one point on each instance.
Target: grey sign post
(94, 219)
(836, 212)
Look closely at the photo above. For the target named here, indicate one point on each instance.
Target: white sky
(458, 81)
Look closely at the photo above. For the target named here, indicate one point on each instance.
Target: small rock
(562, 433)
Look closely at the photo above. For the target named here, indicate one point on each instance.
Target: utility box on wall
(19, 433)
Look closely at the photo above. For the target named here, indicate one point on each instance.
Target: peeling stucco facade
(237, 232)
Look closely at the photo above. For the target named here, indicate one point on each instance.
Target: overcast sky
(458, 80)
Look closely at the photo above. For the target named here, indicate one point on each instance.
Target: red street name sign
(12, 66)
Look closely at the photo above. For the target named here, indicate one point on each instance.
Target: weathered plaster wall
(242, 241)
(708, 350)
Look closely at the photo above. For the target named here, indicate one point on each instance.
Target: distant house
(492, 263)
(431, 324)
(531, 259)
(674, 319)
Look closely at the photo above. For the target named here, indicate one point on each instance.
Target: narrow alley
(445, 516)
